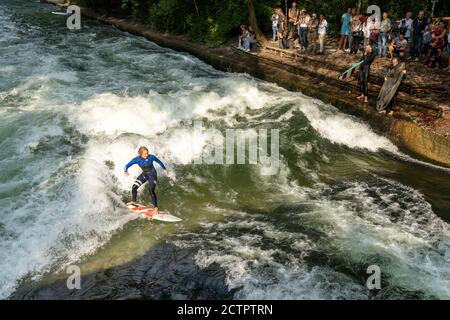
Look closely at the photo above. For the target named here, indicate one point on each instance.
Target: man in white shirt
(322, 31)
(366, 30)
(405, 26)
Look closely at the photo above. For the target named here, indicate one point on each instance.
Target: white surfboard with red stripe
(149, 213)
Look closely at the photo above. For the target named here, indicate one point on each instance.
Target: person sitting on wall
(397, 47)
(249, 39)
(241, 37)
(282, 38)
(291, 37)
(287, 38)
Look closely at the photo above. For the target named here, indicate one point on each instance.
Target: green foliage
(215, 21)
(110, 6)
(168, 15)
(264, 11)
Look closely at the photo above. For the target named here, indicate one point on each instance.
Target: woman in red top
(437, 44)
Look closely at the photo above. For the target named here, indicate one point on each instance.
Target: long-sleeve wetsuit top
(367, 61)
(146, 164)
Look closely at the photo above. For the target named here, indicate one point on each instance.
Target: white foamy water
(360, 224)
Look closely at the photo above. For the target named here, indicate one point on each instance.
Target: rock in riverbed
(164, 272)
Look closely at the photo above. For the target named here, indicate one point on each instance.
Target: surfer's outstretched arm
(129, 164)
(161, 164)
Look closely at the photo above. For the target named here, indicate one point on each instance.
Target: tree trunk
(254, 24)
(196, 7)
(358, 7)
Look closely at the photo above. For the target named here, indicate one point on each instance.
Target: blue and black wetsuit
(148, 175)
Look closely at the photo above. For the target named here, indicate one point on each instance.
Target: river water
(76, 105)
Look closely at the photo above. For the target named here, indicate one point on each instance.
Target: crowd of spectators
(418, 39)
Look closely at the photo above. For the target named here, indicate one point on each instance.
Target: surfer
(391, 74)
(145, 161)
(364, 72)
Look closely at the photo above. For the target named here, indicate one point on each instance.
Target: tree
(260, 37)
(358, 7)
(196, 8)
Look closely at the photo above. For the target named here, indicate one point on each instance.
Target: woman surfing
(145, 161)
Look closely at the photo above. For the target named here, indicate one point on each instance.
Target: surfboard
(350, 71)
(390, 87)
(62, 13)
(148, 213)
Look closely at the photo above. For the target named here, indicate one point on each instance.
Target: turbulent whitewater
(74, 108)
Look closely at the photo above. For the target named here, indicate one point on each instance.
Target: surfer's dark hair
(141, 150)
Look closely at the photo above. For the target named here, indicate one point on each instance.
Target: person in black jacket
(418, 28)
(364, 72)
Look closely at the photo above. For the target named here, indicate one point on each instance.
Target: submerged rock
(164, 272)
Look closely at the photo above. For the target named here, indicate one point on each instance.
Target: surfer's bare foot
(131, 203)
(382, 111)
(390, 113)
(156, 211)
(360, 97)
(366, 100)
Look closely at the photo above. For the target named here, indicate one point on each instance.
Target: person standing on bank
(385, 28)
(302, 22)
(405, 26)
(313, 32)
(275, 22)
(322, 32)
(292, 18)
(418, 28)
(354, 16)
(364, 73)
(357, 33)
(345, 29)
